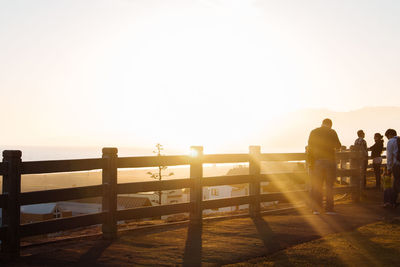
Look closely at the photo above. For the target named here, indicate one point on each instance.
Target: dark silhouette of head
(378, 136)
(360, 133)
(390, 133)
(327, 123)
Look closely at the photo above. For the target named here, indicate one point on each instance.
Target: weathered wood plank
(283, 156)
(36, 167)
(3, 200)
(130, 188)
(225, 180)
(241, 179)
(226, 202)
(152, 161)
(370, 174)
(290, 196)
(344, 189)
(371, 165)
(55, 195)
(343, 155)
(346, 172)
(383, 157)
(50, 226)
(149, 212)
(225, 158)
(283, 176)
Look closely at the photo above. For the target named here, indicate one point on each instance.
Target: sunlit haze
(182, 73)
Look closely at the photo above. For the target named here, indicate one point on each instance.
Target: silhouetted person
(322, 143)
(376, 152)
(393, 163)
(361, 145)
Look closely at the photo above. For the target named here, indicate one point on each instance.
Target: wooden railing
(11, 200)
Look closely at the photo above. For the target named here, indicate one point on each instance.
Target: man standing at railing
(361, 145)
(393, 162)
(322, 143)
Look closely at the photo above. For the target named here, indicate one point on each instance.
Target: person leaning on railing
(393, 162)
(361, 145)
(322, 143)
(376, 155)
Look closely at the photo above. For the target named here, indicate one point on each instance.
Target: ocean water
(33, 153)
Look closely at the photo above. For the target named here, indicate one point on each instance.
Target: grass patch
(376, 244)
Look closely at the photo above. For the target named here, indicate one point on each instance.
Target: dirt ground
(375, 244)
(215, 243)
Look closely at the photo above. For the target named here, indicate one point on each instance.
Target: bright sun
(209, 80)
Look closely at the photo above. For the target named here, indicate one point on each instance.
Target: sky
(188, 72)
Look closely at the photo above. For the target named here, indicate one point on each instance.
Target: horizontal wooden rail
(344, 189)
(346, 172)
(155, 211)
(3, 200)
(300, 195)
(283, 176)
(50, 226)
(225, 158)
(383, 165)
(225, 180)
(346, 155)
(152, 161)
(135, 187)
(37, 167)
(155, 161)
(383, 157)
(289, 196)
(55, 195)
(283, 156)
(370, 173)
(242, 179)
(225, 202)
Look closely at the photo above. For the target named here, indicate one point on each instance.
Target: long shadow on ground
(214, 243)
(193, 247)
(91, 256)
(268, 237)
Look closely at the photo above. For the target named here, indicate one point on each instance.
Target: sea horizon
(37, 153)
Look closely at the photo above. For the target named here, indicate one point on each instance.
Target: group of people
(322, 144)
(376, 154)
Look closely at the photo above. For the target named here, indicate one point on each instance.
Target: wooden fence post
(343, 165)
(355, 179)
(254, 186)
(109, 203)
(11, 212)
(196, 191)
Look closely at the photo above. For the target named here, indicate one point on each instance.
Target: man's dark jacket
(322, 144)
